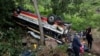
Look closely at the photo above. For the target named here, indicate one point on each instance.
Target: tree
(5, 14)
(9, 32)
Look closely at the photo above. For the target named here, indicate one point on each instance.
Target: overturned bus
(53, 26)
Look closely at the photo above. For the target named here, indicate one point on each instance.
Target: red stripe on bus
(33, 15)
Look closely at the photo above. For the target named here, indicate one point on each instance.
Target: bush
(51, 52)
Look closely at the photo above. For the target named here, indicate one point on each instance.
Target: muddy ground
(96, 47)
(96, 42)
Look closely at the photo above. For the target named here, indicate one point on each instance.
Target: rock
(89, 54)
(51, 43)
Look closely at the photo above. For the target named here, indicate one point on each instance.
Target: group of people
(79, 46)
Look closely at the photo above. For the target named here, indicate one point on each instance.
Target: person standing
(76, 45)
(89, 37)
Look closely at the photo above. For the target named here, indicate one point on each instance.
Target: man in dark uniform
(89, 37)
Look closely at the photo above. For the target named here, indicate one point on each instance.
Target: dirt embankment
(96, 42)
(96, 47)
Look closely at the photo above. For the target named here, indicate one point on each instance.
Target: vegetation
(51, 52)
(81, 13)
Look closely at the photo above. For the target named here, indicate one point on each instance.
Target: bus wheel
(51, 19)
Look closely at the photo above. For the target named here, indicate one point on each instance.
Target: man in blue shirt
(76, 45)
